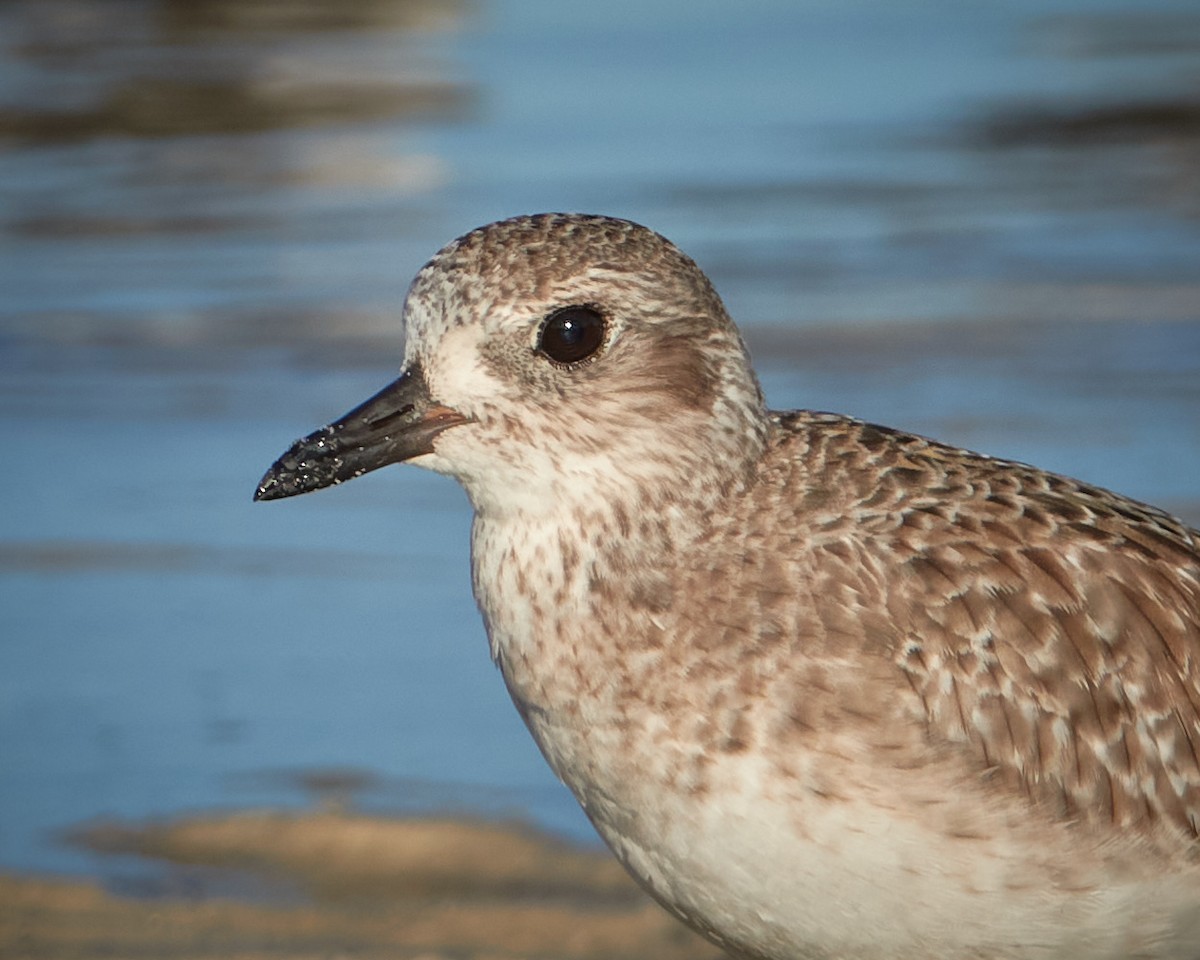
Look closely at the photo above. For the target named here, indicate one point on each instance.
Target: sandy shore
(356, 886)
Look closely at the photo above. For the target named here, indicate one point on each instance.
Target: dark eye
(571, 334)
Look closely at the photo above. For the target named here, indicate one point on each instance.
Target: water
(978, 222)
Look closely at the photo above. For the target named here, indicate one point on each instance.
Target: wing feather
(1051, 627)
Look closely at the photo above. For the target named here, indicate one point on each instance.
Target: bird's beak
(396, 424)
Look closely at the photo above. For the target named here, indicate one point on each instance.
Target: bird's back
(1049, 627)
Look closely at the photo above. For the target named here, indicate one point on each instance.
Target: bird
(827, 689)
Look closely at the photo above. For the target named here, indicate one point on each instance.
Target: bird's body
(828, 690)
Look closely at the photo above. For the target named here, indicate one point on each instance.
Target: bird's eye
(571, 334)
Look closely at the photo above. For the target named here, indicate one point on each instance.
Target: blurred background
(978, 221)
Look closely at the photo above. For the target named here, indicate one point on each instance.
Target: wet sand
(332, 884)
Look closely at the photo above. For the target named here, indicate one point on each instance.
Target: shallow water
(978, 224)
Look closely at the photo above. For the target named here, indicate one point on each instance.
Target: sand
(343, 885)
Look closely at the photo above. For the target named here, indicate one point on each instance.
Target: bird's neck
(542, 573)
(557, 550)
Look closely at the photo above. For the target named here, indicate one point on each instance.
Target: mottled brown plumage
(827, 689)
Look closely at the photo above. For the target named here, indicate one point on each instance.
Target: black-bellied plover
(827, 689)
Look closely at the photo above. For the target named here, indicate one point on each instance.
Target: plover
(827, 689)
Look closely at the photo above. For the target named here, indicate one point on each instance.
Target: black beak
(396, 424)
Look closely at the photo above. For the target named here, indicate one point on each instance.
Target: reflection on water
(161, 68)
(975, 222)
(172, 164)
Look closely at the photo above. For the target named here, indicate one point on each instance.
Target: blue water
(178, 305)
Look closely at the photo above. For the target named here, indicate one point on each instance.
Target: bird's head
(548, 356)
